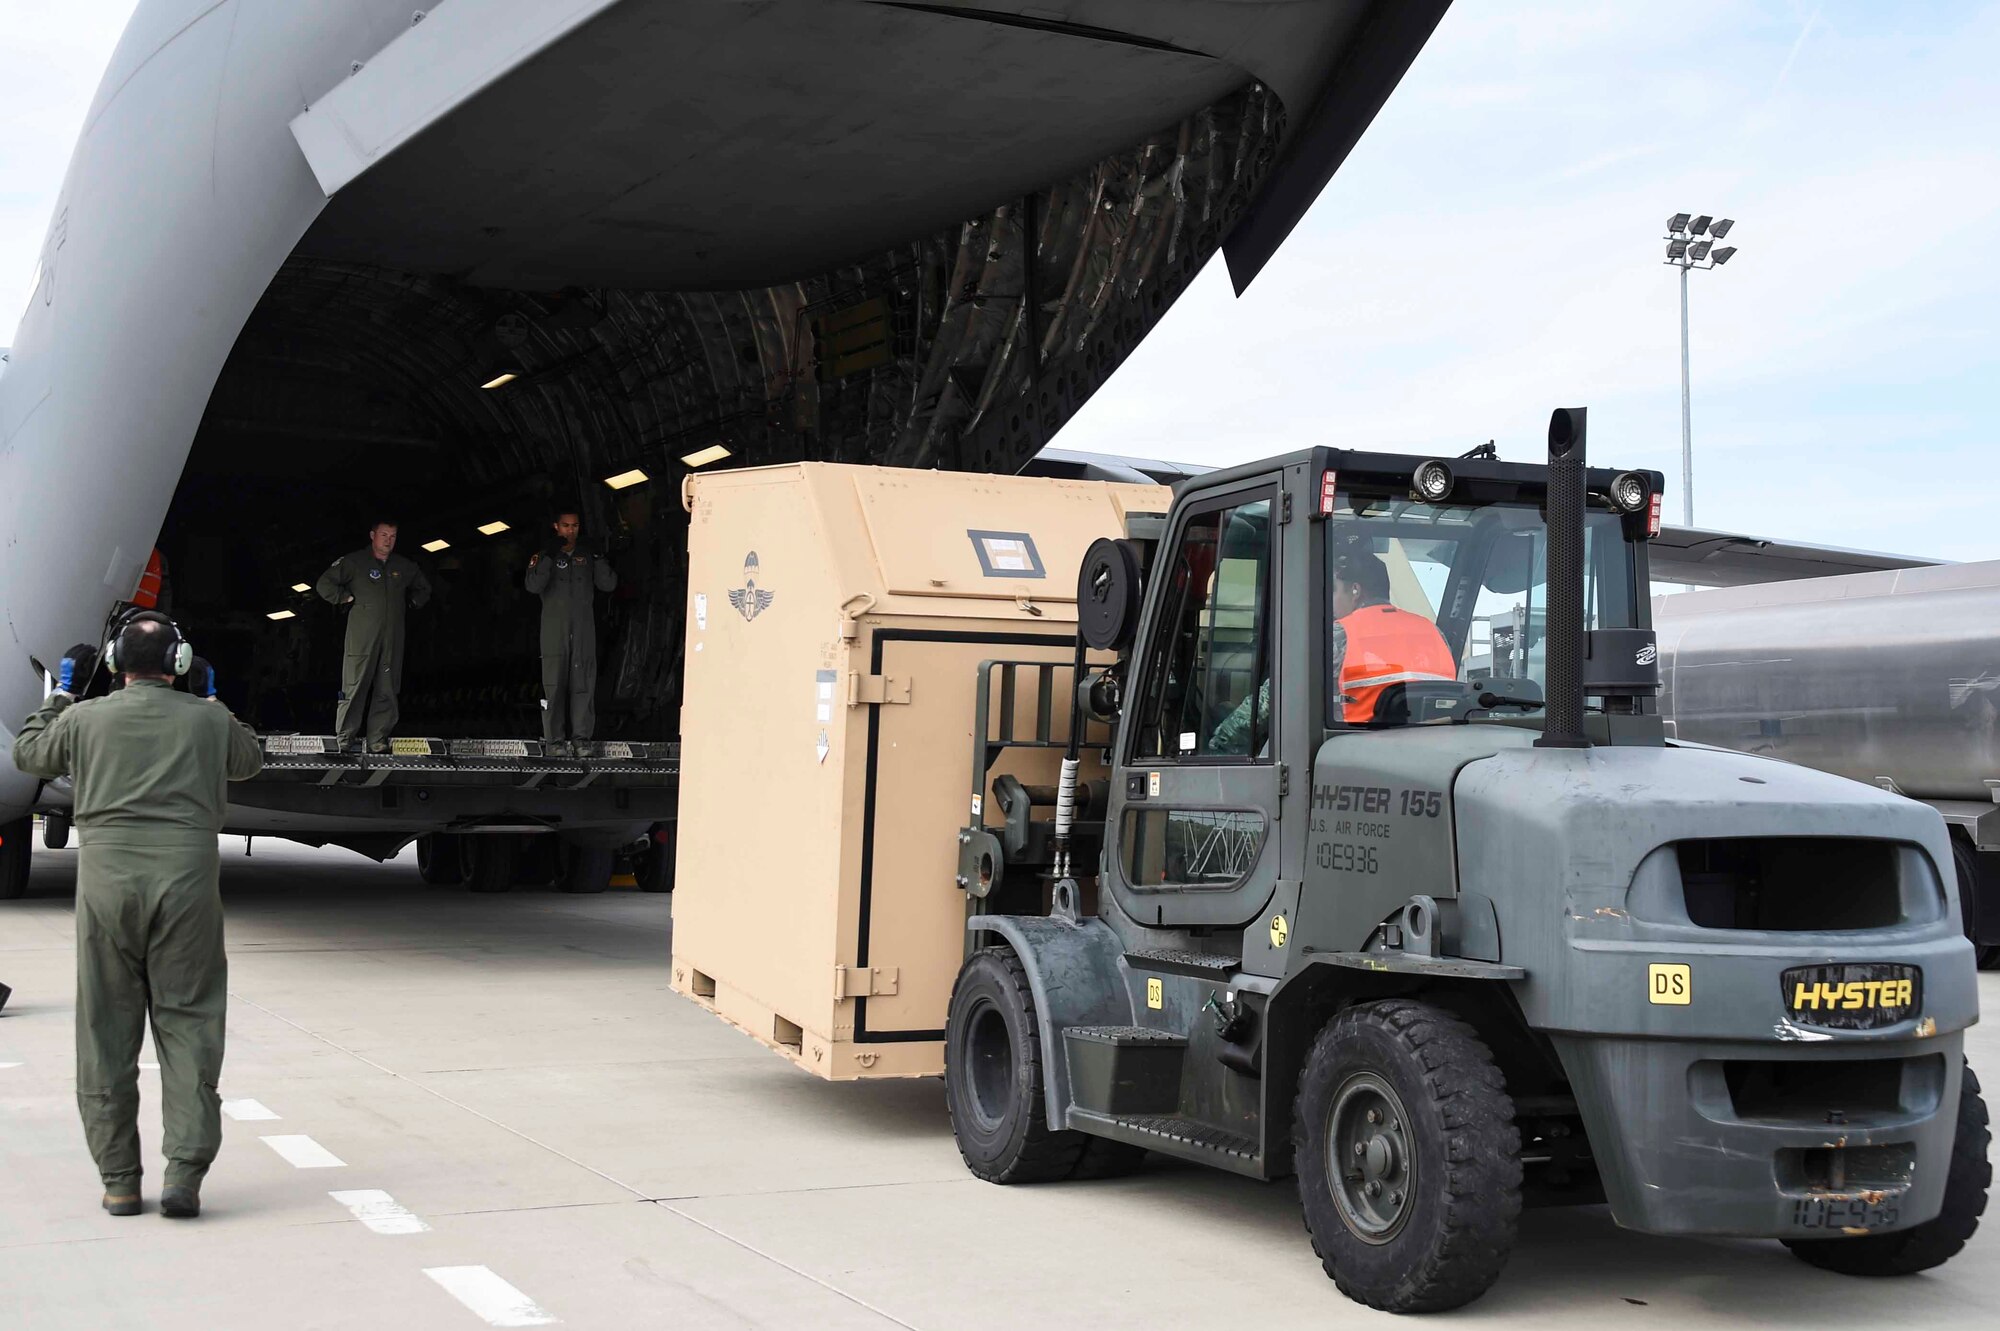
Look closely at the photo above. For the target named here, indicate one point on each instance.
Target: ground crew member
(1375, 644)
(375, 581)
(150, 767)
(567, 578)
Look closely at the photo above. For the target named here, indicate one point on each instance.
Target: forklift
(1441, 941)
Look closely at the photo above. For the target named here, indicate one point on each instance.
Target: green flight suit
(150, 768)
(371, 672)
(568, 581)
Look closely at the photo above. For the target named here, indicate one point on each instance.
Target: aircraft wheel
(1408, 1159)
(55, 831)
(441, 858)
(587, 869)
(16, 845)
(491, 863)
(654, 866)
(1935, 1242)
(993, 1085)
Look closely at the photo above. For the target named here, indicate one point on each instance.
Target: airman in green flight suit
(150, 768)
(374, 581)
(568, 578)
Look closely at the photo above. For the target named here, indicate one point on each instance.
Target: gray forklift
(1442, 941)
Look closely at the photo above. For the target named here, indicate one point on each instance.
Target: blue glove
(79, 663)
(66, 676)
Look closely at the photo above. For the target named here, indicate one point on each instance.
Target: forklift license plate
(1846, 1213)
(1862, 996)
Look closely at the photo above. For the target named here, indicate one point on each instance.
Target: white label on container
(977, 804)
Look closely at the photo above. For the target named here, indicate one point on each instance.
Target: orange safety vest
(1388, 646)
(147, 597)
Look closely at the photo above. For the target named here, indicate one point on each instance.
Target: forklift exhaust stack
(1563, 726)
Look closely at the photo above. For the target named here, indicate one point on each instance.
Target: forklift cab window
(1207, 697)
(1426, 597)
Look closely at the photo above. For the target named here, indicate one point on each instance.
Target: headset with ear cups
(180, 654)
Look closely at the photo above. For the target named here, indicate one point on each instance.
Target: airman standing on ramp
(375, 581)
(568, 578)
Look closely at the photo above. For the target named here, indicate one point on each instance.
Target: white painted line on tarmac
(380, 1212)
(490, 1297)
(303, 1152)
(247, 1111)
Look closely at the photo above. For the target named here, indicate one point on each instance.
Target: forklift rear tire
(1408, 1159)
(441, 858)
(587, 869)
(993, 1086)
(492, 863)
(1934, 1242)
(16, 844)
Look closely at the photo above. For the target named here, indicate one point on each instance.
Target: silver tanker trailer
(1888, 677)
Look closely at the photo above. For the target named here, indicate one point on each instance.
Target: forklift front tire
(993, 1077)
(1935, 1242)
(441, 858)
(1408, 1159)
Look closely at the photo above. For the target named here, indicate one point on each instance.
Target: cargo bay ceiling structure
(461, 263)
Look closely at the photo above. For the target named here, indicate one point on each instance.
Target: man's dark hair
(383, 522)
(561, 511)
(143, 645)
(1366, 571)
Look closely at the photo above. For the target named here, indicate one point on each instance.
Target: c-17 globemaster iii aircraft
(457, 263)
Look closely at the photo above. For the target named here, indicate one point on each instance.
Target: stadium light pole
(1687, 249)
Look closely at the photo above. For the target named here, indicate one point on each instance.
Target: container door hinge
(1284, 507)
(877, 689)
(1284, 779)
(863, 981)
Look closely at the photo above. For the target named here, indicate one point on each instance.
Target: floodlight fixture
(1687, 253)
(1699, 250)
(1678, 222)
(1700, 224)
(701, 457)
(1722, 255)
(1721, 227)
(1677, 247)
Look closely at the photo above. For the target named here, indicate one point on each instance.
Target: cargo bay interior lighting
(492, 528)
(437, 545)
(1685, 252)
(625, 478)
(281, 614)
(302, 586)
(501, 380)
(701, 457)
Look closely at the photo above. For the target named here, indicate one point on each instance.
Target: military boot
(122, 1203)
(180, 1202)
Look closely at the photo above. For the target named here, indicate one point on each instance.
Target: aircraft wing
(1691, 556)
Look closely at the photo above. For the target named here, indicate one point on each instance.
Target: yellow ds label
(1280, 931)
(1671, 984)
(1156, 996)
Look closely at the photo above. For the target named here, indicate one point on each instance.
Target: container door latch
(877, 689)
(863, 981)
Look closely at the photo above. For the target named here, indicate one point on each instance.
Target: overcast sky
(1492, 250)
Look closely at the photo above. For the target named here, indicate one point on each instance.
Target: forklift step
(1124, 1069)
(1172, 1135)
(1201, 965)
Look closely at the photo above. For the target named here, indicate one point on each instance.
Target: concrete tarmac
(492, 1110)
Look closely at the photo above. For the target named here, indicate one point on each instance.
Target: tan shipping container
(837, 621)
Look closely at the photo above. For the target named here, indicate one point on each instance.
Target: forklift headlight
(1629, 492)
(1431, 482)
